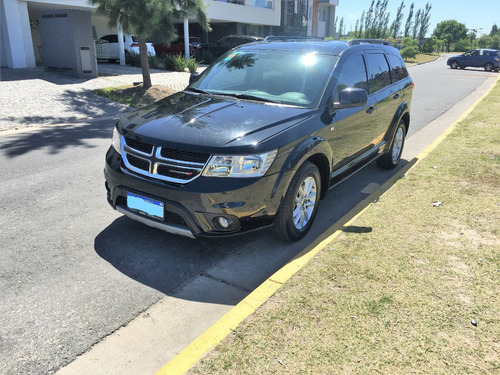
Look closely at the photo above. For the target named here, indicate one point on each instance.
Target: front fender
(300, 153)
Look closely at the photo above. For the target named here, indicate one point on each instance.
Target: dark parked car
(259, 137)
(217, 49)
(489, 59)
(177, 47)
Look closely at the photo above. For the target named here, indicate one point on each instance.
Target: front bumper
(194, 209)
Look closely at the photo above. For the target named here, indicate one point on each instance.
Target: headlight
(239, 165)
(117, 141)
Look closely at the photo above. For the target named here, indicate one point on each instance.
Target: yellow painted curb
(190, 355)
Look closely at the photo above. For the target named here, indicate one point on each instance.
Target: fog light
(226, 223)
(223, 222)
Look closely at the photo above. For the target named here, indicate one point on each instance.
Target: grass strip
(410, 287)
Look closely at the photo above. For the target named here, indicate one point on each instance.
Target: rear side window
(111, 38)
(352, 74)
(398, 68)
(378, 76)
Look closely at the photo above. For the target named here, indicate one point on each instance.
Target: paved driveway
(31, 97)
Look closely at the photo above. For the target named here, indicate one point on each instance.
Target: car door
(351, 131)
(387, 94)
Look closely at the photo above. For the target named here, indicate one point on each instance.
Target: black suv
(259, 137)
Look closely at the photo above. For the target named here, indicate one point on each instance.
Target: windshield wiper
(253, 97)
(194, 89)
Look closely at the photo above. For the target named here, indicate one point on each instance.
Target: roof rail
(354, 42)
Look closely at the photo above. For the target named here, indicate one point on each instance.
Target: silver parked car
(107, 47)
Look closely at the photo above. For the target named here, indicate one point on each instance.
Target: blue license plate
(145, 205)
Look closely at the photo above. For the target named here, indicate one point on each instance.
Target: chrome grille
(162, 163)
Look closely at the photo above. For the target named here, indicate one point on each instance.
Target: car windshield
(274, 76)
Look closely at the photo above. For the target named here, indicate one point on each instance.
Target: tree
(425, 19)
(485, 41)
(410, 48)
(369, 20)
(461, 45)
(381, 30)
(396, 24)
(341, 27)
(494, 30)
(375, 21)
(145, 18)
(409, 21)
(451, 30)
(416, 24)
(430, 45)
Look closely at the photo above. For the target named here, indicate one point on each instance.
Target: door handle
(371, 110)
(396, 96)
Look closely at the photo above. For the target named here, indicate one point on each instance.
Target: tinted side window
(111, 38)
(352, 74)
(379, 76)
(398, 68)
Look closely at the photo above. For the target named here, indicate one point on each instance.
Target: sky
(475, 14)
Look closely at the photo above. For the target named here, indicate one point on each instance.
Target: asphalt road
(73, 271)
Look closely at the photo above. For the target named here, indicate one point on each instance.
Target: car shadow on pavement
(167, 262)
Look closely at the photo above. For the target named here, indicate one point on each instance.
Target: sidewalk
(33, 97)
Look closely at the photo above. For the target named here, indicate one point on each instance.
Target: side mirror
(194, 77)
(351, 97)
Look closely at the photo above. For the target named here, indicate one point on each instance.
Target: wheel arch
(315, 150)
(323, 165)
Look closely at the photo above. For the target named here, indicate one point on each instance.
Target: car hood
(211, 123)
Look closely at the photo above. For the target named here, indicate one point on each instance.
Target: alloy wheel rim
(305, 201)
(398, 145)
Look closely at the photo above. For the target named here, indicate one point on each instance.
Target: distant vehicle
(195, 41)
(225, 44)
(489, 59)
(107, 47)
(175, 48)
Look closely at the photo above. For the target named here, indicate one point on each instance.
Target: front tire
(454, 64)
(300, 204)
(392, 157)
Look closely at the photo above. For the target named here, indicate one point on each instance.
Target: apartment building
(27, 39)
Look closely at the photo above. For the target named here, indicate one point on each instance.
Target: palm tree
(147, 18)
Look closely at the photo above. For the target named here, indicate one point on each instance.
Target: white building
(21, 39)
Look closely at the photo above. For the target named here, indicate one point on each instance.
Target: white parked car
(107, 47)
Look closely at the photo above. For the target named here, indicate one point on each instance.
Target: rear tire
(392, 157)
(299, 207)
(488, 67)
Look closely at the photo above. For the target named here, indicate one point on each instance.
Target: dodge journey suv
(259, 137)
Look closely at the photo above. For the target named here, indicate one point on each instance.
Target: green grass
(399, 298)
(114, 93)
(422, 58)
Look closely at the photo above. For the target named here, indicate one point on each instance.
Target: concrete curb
(190, 355)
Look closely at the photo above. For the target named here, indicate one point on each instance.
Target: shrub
(133, 59)
(204, 57)
(410, 48)
(192, 65)
(179, 63)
